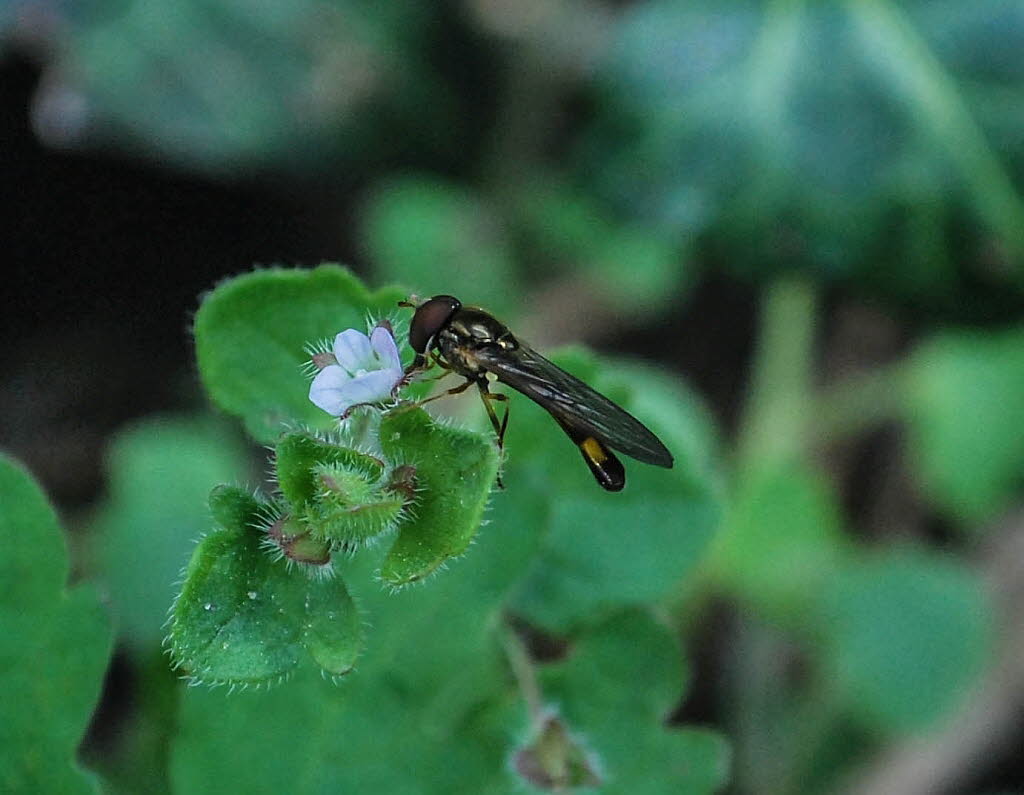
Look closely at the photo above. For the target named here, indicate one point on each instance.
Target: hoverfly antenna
(431, 316)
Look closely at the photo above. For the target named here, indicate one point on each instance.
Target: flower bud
(298, 544)
(352, 506)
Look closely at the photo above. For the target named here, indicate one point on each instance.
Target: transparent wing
(573, 403)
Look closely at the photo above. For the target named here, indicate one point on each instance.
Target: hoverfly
(470, 342)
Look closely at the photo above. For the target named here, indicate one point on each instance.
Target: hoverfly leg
(435, 358)
(453, 391)
(422, 363)
(499, 426)
(445, 368)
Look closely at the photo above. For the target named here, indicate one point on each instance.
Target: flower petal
(328, 390)
(372, 387)
(383, 343)
(352, 350)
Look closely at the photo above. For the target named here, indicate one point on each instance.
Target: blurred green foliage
(907, 635)
(874, 142)
(433, 234)
(295, 83)
(56, 644)
(842, 137)
(964, 404)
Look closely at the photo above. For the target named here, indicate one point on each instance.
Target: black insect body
(473, 344)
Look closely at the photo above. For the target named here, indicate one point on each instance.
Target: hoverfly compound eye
(430, 318)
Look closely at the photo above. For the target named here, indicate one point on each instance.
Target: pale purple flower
(367, 371)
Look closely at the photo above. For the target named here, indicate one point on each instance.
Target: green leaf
(56, 643)
(251, 333)
(160, 473)
(782, 539)
(439, 238)
(615, 690)
(908, 635)
(244, 618)
(231, 507)
(965, 408)
(455, 471)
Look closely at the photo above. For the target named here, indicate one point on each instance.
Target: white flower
(367, 371)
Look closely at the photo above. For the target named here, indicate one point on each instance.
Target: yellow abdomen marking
(593, 450)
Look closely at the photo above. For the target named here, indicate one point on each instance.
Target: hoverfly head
(430, 317)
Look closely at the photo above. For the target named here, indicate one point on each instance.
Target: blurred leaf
(839, 136)
(601, 550)
(55, 648)
(965, 408)
(632, 266)
(439, 239)
(455, 471)
(244, 618)
(908, 636)
(251, 333)
(598, 556)
(297, 83)
(616, 689)
(160, 473)
(782, 539)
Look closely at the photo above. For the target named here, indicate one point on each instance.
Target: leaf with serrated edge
(455, 471)
(244, 618)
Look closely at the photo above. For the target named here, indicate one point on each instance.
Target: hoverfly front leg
(457, 390)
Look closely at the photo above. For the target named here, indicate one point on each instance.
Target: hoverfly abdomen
(606, 468)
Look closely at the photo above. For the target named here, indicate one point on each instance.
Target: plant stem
(775, 424)
(524, 671)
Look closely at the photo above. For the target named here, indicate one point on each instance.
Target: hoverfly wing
(582, 412)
